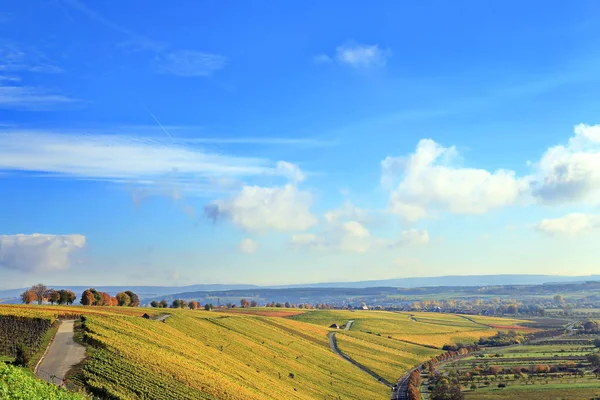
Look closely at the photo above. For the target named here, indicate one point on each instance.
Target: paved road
(336, 350)
(62, 354)
(349, 325)
(401, 391)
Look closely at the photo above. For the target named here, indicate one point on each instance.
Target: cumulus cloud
(431, 180)
(248, 246)
(38, 252)
(570, 173)
(569, 225)
(361, 56)
(260, 209)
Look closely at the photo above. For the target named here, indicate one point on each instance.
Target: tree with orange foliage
(193, 305)
(105, 299)
(88, 298)
(27, 297)
(114, 301)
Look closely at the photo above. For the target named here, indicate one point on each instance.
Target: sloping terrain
(209, 355)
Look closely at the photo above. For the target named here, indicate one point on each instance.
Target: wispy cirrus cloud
(16, 62)
(139, 161)
(133, 38)
(178, 62)
(188, 63)
(15, 58)
(13, 95)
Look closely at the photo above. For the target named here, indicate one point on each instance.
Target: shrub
(22, 356)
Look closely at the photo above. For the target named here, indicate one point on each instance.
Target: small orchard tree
(208, 307)
(154, 303)
(87, 298)
(176, 303)
(193, 305)
(27, 297)
(53, 296)
(134, 299)
(163, 303)
(123, 299)
(254, 303)
(39, 291)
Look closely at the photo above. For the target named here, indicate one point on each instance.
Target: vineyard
(255, 354)
(18, 384)
(16, 330)
(210, 355)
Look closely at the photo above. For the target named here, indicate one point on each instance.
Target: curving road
(334, 347)
(61, 355)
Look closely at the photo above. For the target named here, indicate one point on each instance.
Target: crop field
(266, 312)
(558, 368)
(387, 357)
(209, 355)
(428, 329)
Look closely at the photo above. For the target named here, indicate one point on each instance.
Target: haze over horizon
(312, 142)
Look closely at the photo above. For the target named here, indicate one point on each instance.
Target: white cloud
(411, 237)
(14, 96)
(151, 163)
(571, 173)
(189, 63)
(431, 181)
(346, 211)
(14, 58)
(569, 225)
(38, 252)
(348, 237)
(291, 171)
(248, 246)
(260, 209)
(361, 56)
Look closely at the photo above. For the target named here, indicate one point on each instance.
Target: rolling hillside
(209, 355)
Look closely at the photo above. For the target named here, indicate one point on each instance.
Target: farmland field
(555, 368)
(429, 329)
(257, 353)
(209, 355)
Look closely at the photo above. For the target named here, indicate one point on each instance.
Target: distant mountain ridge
(414, 282)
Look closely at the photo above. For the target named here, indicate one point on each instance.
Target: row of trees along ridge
(91, 297)
(40, 293)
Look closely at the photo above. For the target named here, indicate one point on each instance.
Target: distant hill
(11, 295)
(455, 281)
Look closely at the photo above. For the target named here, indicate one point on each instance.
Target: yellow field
(388, 358)
(429, 329)
(495, 320)
(209, 355)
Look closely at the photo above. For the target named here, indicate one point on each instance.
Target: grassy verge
(39, 353)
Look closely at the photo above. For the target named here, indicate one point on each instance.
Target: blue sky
(277, 142)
